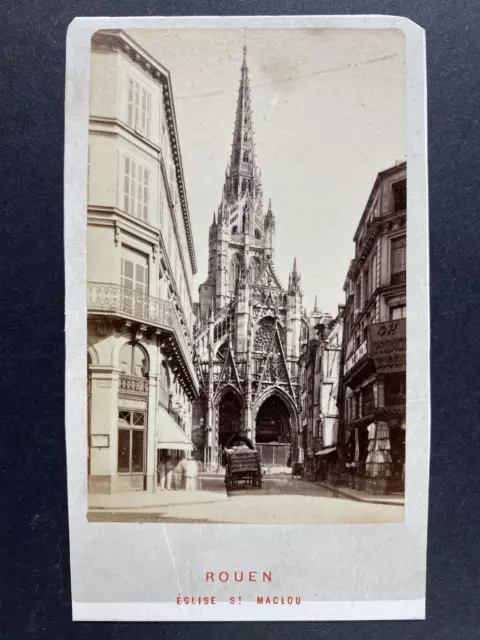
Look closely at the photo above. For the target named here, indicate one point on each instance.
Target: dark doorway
(272, 433)
(229, 417)
(273, 422)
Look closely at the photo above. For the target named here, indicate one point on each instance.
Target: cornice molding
(117, 40)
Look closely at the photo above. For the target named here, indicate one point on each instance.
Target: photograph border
(418, 336)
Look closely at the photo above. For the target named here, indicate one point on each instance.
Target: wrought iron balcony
(133, 385)
(113, 299)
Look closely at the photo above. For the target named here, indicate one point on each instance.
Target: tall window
(133, 360)
(398, 254)
(164, 386)
(139, 108)
(399, 191)
(134, 281)
(254, 270)
(135, 190)
(234, 273)
(366, 284)
(397, 313)
(358, 296)
(131, 441)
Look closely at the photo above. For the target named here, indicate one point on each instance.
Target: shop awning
(170, 434)
(324, 452)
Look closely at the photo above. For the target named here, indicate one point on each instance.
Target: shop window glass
(137, 451)
(123, 450)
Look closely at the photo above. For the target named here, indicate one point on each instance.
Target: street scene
(246, 357)
(278, 502)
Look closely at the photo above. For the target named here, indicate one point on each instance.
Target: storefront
(172, 441)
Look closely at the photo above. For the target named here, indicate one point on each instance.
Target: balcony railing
(133, 385)
(113, 298)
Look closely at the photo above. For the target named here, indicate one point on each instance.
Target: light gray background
(152, 563)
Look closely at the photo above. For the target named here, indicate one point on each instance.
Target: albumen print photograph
(246, 267)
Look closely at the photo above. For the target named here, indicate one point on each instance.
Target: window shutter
(145, 195)
(144, 109)
(137, 105)
(130, 103)
(133, 171)
(126, 184)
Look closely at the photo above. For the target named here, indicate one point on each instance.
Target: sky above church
(329, 113)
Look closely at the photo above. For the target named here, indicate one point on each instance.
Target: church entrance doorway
(229, 417)
(273, 433)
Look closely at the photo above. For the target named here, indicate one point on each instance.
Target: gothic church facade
(249, 327)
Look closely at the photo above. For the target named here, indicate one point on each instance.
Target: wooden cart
(242, 463)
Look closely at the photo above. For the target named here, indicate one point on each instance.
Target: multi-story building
(250, 326)
(372, 397)
(319, 369)
(140, 263)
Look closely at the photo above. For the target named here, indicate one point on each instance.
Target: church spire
(294, 280)
(242, 176)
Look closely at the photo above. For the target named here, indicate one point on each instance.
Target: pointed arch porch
(228, 410)
(275, 426)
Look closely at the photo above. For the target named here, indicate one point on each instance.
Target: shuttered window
(136, 189)
(139, 108)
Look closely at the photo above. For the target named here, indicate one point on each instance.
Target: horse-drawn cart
(242, 463)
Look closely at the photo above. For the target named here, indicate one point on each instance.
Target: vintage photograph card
(247, 398)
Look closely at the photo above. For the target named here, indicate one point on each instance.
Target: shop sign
(359, 353)
(388, 345)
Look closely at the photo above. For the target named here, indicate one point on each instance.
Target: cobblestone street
(279, 501)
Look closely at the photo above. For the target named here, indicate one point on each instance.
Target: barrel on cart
(242, 463)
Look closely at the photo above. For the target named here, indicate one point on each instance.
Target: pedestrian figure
(191, 473)
(178, 474)
(161, 473)
(169, 473)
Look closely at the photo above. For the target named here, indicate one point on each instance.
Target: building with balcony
(140, 265)
(319, 370)
(372, 393)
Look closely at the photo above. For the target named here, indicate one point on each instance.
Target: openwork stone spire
(294, 280)
(242, 176)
